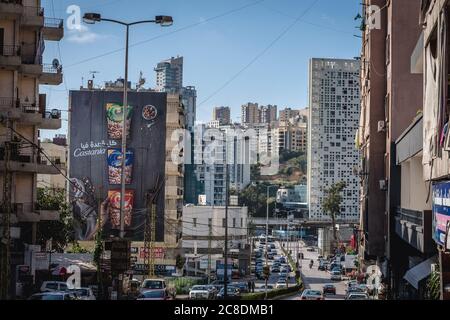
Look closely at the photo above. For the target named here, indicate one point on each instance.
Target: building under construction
(24, 28)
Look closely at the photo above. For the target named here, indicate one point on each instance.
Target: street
(315, 279)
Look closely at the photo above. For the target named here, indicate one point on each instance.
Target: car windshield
(199, 288)
(313, 293)
(153, 284)
(153, 294)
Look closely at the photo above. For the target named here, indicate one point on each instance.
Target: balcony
(53, 29)
(26, 163)
(414, 227)
(10, 57)
(27, 212)
(31, 63)
(32, 17)
(51, 75)
(31, 113)
(10, 8)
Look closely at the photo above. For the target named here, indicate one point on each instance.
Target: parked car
(329, 289)
(357, 296)
(243, 287)
(311, 295)
(156, 294)
(263, 288)
(53, 286)
(84, 294)
(232, 293)
(200, 293)
(153, 284)
(275, 269)
(336, 275)
(281, 284)
(53, 296)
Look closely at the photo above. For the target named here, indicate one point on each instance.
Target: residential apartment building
(395, 214)
(333, 122)
(292, 137)
(23, 30)
(287, 114)
(432, 59)
(169, 75)
(57, 150)
(250, 113)
(268, 114)
(222, 114)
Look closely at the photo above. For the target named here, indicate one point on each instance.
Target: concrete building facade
(333, 122)
(222, 114)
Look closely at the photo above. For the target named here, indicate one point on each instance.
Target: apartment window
(234, 222)
(210, 222)
(242, 222)
(224, 223)
(194, 222)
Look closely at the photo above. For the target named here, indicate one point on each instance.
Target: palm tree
(332, 205)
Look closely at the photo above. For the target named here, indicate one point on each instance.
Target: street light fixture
(164, 21)
(267, 234)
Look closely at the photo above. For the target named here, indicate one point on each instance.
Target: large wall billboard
(441, 212)
(96, 157)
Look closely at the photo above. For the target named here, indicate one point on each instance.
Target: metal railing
(54, 114)
(53, 23)
(9, 50)
(7, 102)
(30, 107)
(411, 216)
(49, 68)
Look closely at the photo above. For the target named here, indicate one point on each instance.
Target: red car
(329, 289)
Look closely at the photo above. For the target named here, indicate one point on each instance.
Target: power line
(169, 33)
(258, 56)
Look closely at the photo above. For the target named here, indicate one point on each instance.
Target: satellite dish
(55, 63)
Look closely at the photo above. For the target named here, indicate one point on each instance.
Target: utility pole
(6, 237)
(150, 228)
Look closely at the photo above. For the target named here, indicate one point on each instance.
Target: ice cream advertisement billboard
(95, 163)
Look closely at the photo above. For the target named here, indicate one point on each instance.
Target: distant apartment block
(169, 75)
(333, 123)
(222, 114)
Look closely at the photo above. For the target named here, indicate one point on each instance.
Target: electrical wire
(260, 54)
(168, 34)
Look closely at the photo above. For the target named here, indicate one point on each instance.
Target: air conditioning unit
(381, 126)
(383, 185)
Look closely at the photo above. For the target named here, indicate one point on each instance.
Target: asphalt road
(315, 279)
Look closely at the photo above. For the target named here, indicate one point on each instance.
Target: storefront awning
(419, 272)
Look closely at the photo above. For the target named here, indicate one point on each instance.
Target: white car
(312, 295)
(357, 296)
(53, 286)
(336, 276)
(153, 284)
(84, 294)
(281, 285)
(200, 293)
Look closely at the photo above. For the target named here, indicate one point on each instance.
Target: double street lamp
(163, 21)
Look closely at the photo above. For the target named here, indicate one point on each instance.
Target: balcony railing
(411, 216)
(53, 23)
(33, 11)
(54, 114)
(9, 50)
(49, 68)
(7, 102)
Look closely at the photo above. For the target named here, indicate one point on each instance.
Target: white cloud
(83, 35)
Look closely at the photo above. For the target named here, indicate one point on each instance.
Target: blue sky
(257, 53)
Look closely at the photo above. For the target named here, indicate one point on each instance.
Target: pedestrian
(253, 286)
(249, 284)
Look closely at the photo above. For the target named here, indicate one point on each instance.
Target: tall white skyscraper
(333, 121)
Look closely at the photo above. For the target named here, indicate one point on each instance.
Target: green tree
(60, 232)
(254, 197)
(332, 205)
(434, 286)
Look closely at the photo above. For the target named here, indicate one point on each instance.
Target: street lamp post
(164, 21)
